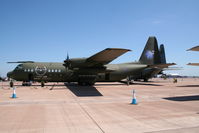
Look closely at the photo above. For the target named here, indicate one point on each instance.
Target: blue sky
(45, 30)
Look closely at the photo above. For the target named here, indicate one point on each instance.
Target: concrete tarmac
(163, 107)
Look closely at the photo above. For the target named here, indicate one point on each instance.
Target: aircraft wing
(22, 62)
(162, 65)
(105, 56)
(194, 49)
(193, 64)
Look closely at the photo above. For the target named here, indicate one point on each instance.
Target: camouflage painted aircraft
(87, 71)
(194, 49)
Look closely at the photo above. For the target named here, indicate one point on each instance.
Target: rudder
(162, 54)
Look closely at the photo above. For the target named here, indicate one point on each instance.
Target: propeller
(67, 62)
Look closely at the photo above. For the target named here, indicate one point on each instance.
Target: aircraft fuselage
(57, 72)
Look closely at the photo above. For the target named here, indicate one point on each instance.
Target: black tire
(42, 84)
(80, 83)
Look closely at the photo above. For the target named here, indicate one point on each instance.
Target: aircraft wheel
(131, 82)
(29, 84)
(90, 83)
(86, 83)
(42, 84)
(23, 83)
(80, 83)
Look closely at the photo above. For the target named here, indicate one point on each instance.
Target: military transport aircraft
(194, 49)
(87, 71)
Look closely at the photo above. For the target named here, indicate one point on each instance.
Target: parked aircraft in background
(87, 71)
(194, 49)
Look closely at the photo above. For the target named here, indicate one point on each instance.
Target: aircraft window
(49, 70)
(55, 70)
(59, 70)
(25, 70)
(28, 70)
(19, 67)
(52, 70)
(32, 70)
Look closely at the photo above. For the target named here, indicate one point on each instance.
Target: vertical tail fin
(162, 54)
(150, 55)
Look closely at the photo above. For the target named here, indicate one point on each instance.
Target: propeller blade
(67, 57)
(67, 61)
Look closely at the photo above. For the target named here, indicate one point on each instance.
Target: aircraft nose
(9, 74)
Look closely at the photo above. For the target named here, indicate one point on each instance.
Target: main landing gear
(26, 83)
(88, 83)
(146, 80)
(86, 80)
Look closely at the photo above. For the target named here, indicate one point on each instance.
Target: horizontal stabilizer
(162, 65)
(22, 62)
(173, 68)
(193, 64)
(106, 56)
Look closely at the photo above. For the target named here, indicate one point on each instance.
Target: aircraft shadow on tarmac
(183, 98)
(83, 91)
(189, 86)
(134, 83)
(148, 84)
(110, 84)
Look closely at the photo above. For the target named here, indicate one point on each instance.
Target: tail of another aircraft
(151, 53)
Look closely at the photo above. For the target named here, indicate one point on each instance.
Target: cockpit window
(19, 67)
